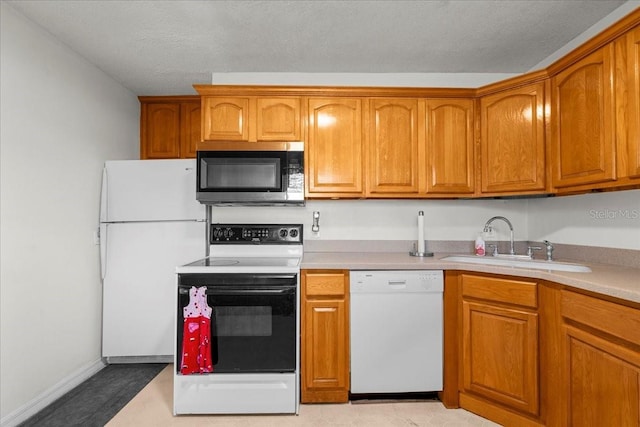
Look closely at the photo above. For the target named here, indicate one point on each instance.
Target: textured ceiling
(163, 47)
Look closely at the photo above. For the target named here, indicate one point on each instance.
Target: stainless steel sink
(520, 263)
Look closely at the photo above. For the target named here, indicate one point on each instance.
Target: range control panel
(255, 234)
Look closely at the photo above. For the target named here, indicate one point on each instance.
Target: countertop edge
(610, 280)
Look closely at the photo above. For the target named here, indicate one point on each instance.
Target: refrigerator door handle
(103, 196)
(103, 250)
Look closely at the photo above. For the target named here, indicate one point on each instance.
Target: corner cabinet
(599, 367)
(251, 118)
(525, 352)
(499, 348)
(334, 149)
(583, 129)
(512, 141)
(324, 367)
(169, 127)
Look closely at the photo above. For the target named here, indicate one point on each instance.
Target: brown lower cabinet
(524, 352)
(499, 342)
(518, 351)
(599, 367)
(325, 336)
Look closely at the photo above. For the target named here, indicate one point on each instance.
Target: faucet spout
(487, 227)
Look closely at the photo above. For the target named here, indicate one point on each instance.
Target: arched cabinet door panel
(334, 149)
(449, 146)
(225, 119)
(392, 147)
(512, 142)
(583, 130)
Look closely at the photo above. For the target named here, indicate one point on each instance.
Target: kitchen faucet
(487, 227)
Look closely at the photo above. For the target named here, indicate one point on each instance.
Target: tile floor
(153, 407)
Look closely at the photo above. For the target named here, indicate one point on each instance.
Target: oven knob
(293, 233)
(283, 233)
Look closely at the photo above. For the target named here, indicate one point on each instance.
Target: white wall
(609, 220)
(604, 219)
(454, 80)
(596, 28)
(61, 118)
(389, 219)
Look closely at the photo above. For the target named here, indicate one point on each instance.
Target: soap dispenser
(480, 248)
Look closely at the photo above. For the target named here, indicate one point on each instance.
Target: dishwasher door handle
(397, 284)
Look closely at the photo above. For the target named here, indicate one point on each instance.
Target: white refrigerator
(150, 223)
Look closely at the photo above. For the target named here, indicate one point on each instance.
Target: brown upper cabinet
(334, 148)
(571, 127)
(596, 115)
(449, 145)
(169, 127)
(225, 119)
(392, 147)
(628, 102)
(512, 140)
(583, 144)
(251, 118)
(413, 147)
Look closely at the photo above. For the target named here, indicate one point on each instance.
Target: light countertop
(611, 280)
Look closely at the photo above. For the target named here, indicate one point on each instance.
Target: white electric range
(238, 323)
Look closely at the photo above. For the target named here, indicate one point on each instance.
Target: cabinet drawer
(507, 291)
(325, 283)
(614, 319)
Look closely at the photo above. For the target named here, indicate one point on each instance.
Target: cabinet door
(633, 80)
(603, 381)
(325, 366)
(500, 354)
(225, 119)
(160, 131)
(191, 129)
(583, 129)
(392, 147)
(325, 336)
(334, 151)
(512, 140)
(278, 119)
(449, 146)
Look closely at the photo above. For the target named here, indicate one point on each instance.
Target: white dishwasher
(396, 331)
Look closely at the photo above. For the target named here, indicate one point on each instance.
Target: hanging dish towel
(196, 335)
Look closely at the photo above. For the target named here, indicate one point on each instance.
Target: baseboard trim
(50, 395)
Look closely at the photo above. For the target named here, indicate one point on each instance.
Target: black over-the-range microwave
(251, 174)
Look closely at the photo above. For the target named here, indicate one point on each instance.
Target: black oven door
(253, 320)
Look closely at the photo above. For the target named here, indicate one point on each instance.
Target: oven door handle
(218, 292)
(250, 291)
